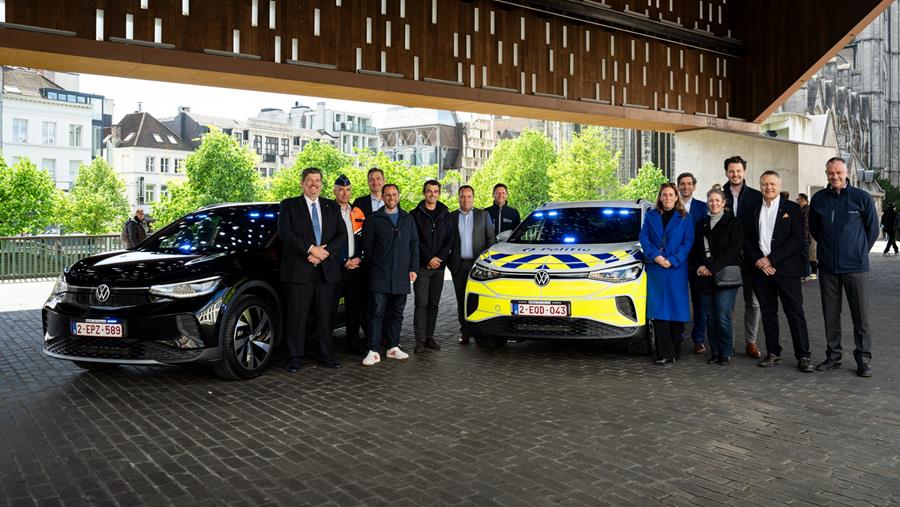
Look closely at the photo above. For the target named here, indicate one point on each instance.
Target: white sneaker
(396, 353)
(372, 358)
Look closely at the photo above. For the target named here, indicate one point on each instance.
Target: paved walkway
(539, 423)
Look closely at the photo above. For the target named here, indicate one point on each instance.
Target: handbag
(728, 277)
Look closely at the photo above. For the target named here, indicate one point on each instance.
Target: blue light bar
(270, 215)
(254, 214)
(203, 216)
(568, 239)
(553, 213)
(625, 212)
(607, 212)
(539, 214)
(112, 321)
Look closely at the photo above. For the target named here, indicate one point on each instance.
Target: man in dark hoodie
(435, 231)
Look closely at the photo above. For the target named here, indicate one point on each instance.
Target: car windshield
(579, 226)
(214, 231)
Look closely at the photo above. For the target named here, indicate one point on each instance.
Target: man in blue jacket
(844, 223)
(696, 210)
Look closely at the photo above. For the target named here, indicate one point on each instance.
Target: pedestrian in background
(435, 232)
(718, 242)
(134, 231)
(474, 233)
(774, 242)
(666, 239)
(741, 199)
(697, 211)
(811, 273)
(391, 250)
(889, 224)
(843, 221)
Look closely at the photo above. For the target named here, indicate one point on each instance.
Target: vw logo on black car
(102, 293)
(542, 278)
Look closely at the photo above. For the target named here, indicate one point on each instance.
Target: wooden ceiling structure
(665, 65)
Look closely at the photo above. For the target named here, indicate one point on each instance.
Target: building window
(150, 193)
(158, 138)
(163, 165)
(271, 145)
(74, 166)
(285, 146)
(75, 136)
(163, 192)
(48, 133)
(179, 165)
(257, 144)
(150, 164)
(20, 130)
(49, 165)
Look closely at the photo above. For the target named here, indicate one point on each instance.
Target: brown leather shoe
(699, 348)
(753, 351)
(463, 340)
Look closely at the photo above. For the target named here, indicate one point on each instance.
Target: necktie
(317, 227)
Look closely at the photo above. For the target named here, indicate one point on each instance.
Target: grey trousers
(751, 306)
(855, 286)
(427, 288)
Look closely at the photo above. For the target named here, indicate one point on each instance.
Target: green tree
(521, 164)
(28, 198)
(332, 162)
(219, 171)
(585, 168)
(891, 193)
(643, 186)
(96, 204)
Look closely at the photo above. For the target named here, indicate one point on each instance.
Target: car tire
(90, 366)
(248, 334)
(642, 346)
(490, 342)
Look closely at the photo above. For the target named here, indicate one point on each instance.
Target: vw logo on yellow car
(102, 293)
(541, 278)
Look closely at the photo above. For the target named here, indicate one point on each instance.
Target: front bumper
(166, 339)
(598, 310)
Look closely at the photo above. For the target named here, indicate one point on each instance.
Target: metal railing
(24, 257)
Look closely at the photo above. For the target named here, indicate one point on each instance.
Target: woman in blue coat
(666, 239)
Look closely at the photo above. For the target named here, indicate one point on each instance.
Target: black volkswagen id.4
(204, 289)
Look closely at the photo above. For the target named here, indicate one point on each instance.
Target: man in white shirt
(775, 244)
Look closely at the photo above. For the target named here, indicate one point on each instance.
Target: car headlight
(482, 273)
(60, 287)
(617, 275)
(189, 289)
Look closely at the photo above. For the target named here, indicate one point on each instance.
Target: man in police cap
(352, 286)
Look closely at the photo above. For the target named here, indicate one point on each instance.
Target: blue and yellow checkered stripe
(560, 261)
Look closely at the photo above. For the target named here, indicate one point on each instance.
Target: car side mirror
(503, 236)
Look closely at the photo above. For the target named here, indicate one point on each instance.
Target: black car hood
(136, 268)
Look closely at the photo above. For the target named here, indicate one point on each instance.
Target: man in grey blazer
(474, 233)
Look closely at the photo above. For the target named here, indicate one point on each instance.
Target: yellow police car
(570, 270)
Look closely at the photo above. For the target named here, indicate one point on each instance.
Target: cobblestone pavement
(539, 423)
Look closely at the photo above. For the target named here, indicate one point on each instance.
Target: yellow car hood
(570, 258)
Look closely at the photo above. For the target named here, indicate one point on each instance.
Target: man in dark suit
(775, 243)
(371, 203)
(473, 233)
(368, 204)
(740, 199)
(314, 237)
(697, 211)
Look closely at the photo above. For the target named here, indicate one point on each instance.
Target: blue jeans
(717, 310)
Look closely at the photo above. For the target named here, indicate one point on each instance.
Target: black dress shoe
(420, 347)
(331, 363)
(431, 344)
(828, 364)
(664, 362)
(804, 365)
(725, 361)
(293, 366)
(864, 371)
(713, 360)
(769, 361)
